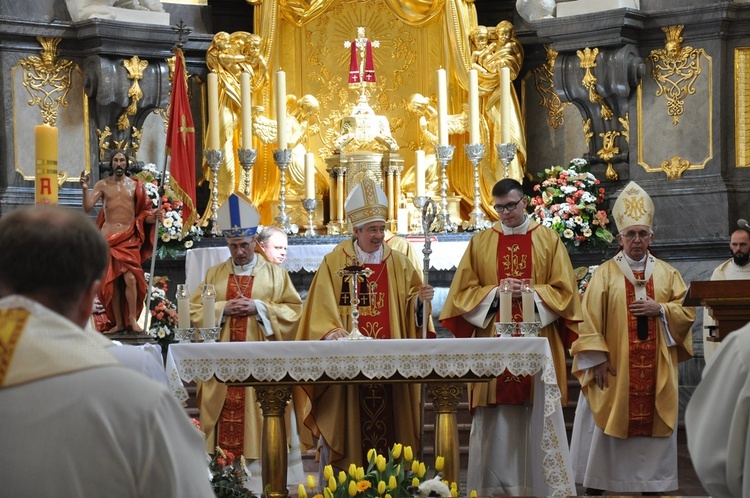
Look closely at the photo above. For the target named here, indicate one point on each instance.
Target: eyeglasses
(499, 208)
(643, 234)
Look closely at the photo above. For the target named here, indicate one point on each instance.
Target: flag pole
(160, 193)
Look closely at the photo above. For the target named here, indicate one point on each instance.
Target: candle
(527, 301)
(506, 303)
(310, 175)
(506, 105)
(442, 107)
(209, 306)
(281, 109)
(420, 160)
(45, 144)
(183, 306)
(213, 111)
(247, 106)
(473, 107)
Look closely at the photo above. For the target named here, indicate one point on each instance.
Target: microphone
(743, 224)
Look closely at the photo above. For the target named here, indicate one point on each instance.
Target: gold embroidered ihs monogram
(513, 263)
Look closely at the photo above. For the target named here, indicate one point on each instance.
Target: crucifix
(354, 273)
(362, 65)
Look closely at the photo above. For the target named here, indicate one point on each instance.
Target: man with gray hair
(111, 431)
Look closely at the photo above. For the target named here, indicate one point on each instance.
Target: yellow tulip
(392, 484)
(381, 487)
(332, 484)
(353, 470)
(342, 477)
(360, 473)
(311, 482)
(387, 495)
(439, 462)
(380, 462)
(327, 493)
(415, 466)
(422, 470)
(473, 493)
(301, 491)
(408, 455)
(396, 452)
(415, 481)
(453, 485)
(352, 488)
(327, 472)
(454, 493)
(371, 454)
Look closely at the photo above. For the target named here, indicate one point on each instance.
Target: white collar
(246, 269)
(375, 257)
(520, 229)
(636, 265)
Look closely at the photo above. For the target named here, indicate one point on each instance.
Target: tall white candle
(281, 109)
(506, 105)
(473, 107)
(213, 111)
(420, 161)
(527, 302)
(442, 107)
(310, 175)
(506, 307)
(209, 306)
(246, 95)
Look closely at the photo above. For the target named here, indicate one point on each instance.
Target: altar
(273, 368)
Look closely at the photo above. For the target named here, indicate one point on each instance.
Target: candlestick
(310, 205)
(443, 223)
(45, 185)
(282, 158)
(475, 153)
(246, 95)
(310, 175)
(281, 110)
(442, 107)
(506, 302)
(213, 111)
(247, 158)
(474, 107)
(507, 152)
(209, 306)
(419, 158)
(183, 306)
(505, 105)
(213, 158)
(527, 300)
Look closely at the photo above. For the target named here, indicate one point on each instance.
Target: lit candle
(442, 107)
(527, 301)
(183, 306)
(506, 303)
(310, 175)
(213, 111)
(281, 109)
(420, 160)
(45, 144)
(473, 106)
(247, 106)
(209, 306)
(506, 105)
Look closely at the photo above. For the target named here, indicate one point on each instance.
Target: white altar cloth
(300, 362)
(445, 256)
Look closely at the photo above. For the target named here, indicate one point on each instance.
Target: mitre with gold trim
(366, 203)
(633, 207)
(237, 217)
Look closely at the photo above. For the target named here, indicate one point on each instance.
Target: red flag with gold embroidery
(181, 144)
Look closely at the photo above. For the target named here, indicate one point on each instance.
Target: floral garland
(170, 229)
(568, 202)
(163, 313)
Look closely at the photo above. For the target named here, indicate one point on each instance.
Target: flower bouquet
(163, 313)
(387, 478)
(170, 229)
(228, 479)
(568, 202)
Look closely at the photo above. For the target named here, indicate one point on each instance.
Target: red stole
(231, 435)
(514, 261)
(642, 367)
(374, 307)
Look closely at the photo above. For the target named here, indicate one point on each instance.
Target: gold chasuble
(352, 419)
(230, 417)
(642, 397)
(540, 255)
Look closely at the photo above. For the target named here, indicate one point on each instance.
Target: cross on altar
(361, 67)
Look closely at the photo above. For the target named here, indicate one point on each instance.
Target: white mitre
(366, 203)
(633, 207)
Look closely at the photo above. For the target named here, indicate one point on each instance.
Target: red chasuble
(514, 261)
(642, 354)
(232, 418)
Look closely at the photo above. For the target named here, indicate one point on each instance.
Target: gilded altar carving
(675, 68)
(135, 67)
(608, 151)
(742, 101)
(588, 62)
(47, 79)
(545, 85)
(587, 133)
(675, 167)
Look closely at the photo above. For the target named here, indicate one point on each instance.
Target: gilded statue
(229, 55)
(300, 113)
(491, 51)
